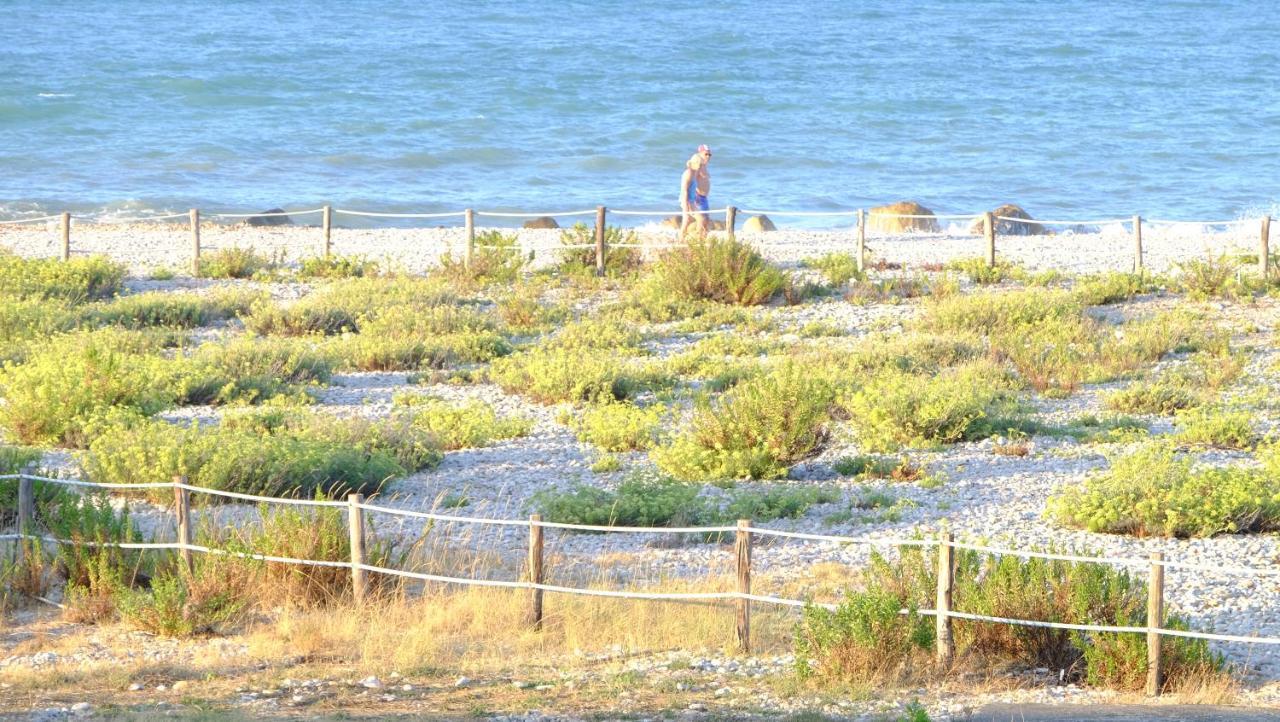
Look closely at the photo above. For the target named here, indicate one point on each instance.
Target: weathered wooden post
(326, 223)
(26, 512)
(862, 240)
(600, 249)
(1155, 620)
(1264, 248)
(989, 231)
(66, 236)
(1137, 244)
(182, 510)
(470, 222)
(742, 547)
(730, 220)
(355, 523)
(194, 217)
(946, 582)
(535, 571)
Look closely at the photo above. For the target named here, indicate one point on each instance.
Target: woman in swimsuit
(695, 186)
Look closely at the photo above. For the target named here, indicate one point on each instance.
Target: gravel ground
(985, 496)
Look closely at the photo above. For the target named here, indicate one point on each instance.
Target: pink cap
(704, 148)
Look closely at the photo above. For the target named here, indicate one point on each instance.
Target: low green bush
(389, 352)
(617, 261)
(174, 310)
(894, 408)
(1153, 491)
(250, 370)
(71, 379)
(316, 454)
(866, 639)
(23, 321)
(756, 430)
(788, 502)
(638, 501)
(896, 289)
(78, 280)
(469, 425)
(497, 259)
(720, 270)
(311, 315)
(1163, 397)
(979, 271)
(337, 267)
(553, 375)
(1112, 287)
(1217, 427)
(1213, 277)
(620, 427)
(838, 268)
(987, 313)
(234, 263)
(176, 606)
(604, 334)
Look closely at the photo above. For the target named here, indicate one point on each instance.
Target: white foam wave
(57, 95)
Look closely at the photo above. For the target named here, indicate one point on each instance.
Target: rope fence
(534, 578)
(863, 219)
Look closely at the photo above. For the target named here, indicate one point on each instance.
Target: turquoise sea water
(1073, 110)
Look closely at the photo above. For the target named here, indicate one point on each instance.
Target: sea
(1075, 110)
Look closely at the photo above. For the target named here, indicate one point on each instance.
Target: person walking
(695, 186)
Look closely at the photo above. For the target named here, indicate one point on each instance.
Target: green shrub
(838, 268)
(233, 263)
(553, 375)
(864, 638)
(496, 259)
(757, 430)
(93, 524)
(987, 313)
(1212, 277)
(639, 501)
(174, 310)
(980, 272)
(316, 455)
(78, 280)
(607, 334)
(522, 309)
(370, 296)
(821, 329)
(1112, 287)
(620, 427)
(895, 289)
(313, 314)
(71, 379)
(866, 466)
(895, 409)
(33, 319)
(617, 261)
(470, 425)
(1152, 397)
(720, 270)
(1154, 492)
(777, 503)
(391, 352)
(175, 606)
(1218, 427)
(250, 370)
(337, 267)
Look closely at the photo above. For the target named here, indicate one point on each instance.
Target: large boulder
(1010, 228)
(541, 222)
(270, 220)
(758, 224)
(892, 223)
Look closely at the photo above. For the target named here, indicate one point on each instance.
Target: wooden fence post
(1155, 620)
(862, 240)
(470, 222)
(194, 214)
(355, 523)
(600, 248)
(182, 510)
(26, 511)
(989, 230)
(946, 582)
(1137, 244)
(66, 236)
(730, 220)
(326, 223)
(742, 546)
(1264, 248)
(535, 571)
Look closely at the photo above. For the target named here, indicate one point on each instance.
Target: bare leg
(702, 226)
(684, 226)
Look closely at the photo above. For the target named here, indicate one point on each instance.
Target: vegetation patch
(1154, 491)
(469, 425)
(619, 426)
(718, 269)
(78, 280)
(334, 266)
(550, 375)
(234, 263)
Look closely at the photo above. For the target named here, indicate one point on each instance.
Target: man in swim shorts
(695, 186)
